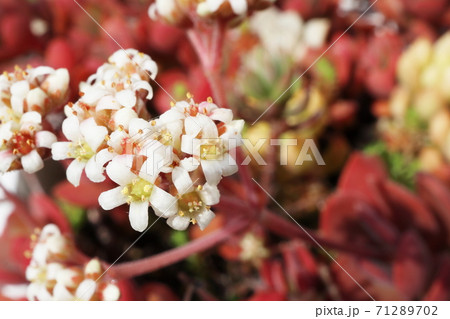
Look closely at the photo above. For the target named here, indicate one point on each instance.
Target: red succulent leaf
(412, 266)
(86, 195)
(425, 9)
(440, 288)
(268, 296)
(437, 196)
(45, 211)
(273, 274)
(17, 248)
(362, 175)
(410, 210)
(369, 275)
(300, 266)
(59, 54)
(347, 217)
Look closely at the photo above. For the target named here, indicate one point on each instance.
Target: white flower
(21, 140)
(137, 190)
(194, 202)
(284, 34)
(85, 139)
(202, 140)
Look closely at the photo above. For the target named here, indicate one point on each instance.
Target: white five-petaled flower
(194, 202)
(139, 190)
(209, 144)
(85, 139)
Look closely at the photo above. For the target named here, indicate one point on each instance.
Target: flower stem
(153, 263)
(208, 44)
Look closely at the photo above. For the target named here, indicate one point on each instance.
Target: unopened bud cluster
(419, 115)
(26, 97)
(180, 12)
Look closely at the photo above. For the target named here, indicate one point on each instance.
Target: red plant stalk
(208, 44)
(164, 259)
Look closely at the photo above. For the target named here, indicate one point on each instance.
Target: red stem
(153, 263)
(210, 55)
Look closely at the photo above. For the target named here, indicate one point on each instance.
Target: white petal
(71, 128)
(17, 104)
(40, 70)
(32, 162)
(5, 131)
(36, 98)
(182, 180)
(222, 115)
(229, 166)
(239, 6)
(138, 124)
(58, 82)
(212, 170)
(126, 98)
(178, 222)
(188, 144)
(104, 156)
(86, 290)
(45, 139)
(50, 230)
(31, 117)
(111, 293)
(163, 201)
(60, 293)
(108, 102)
(6, 159)
(60, 150)
(124, 116)
(119, 172)
(117, 139)
(144, 85)
(210, 194)
(139, 215)
(92, 94)
(20, 88)
(190, 164)
(204, 218)
(94, 171)
(74, 171)
(112, 198)
(93, 134)
(53, 269)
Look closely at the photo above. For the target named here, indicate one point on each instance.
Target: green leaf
(400, 168)
(75, 214)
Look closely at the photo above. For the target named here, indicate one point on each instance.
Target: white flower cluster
(173, 163)
(55, 275)
(176, 11)
(26, 97)
(110, 98)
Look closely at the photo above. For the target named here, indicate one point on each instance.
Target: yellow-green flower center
(82, 152)
(190, 205)
(138, 190)
(211, 150)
